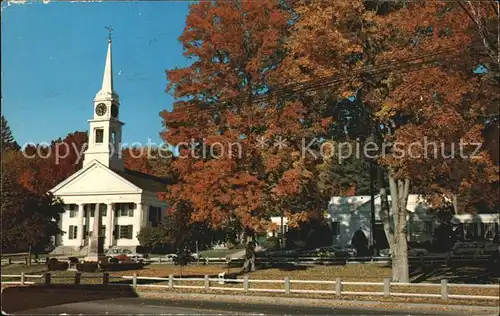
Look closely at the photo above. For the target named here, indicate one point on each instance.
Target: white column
(109, 224)
(80, 223)
(137, 221)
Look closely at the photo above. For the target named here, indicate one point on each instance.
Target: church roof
(144, 181)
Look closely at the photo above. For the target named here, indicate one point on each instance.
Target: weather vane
(110, 29)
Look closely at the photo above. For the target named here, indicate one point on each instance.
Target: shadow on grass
(479, 273)
(17, 299)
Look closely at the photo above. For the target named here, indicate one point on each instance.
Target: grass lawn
(18, 268)
(350, 272)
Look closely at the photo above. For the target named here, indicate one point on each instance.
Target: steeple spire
(107, 92)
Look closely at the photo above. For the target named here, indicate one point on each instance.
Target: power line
(330, 77)
(329, 80)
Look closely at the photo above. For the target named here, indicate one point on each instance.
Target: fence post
(105, 278)
(47, 278)
(207, 282)
(171, 281)
(78, 277)
(22, 278)
(338, 286)
(444, 289)
(159, 259)
(10, 260)
(134, 280)
(387, 287)
(245, 284)
(287, 285)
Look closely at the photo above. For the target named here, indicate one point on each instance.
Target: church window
(125, 232)
(99, 135)
(124, 210)
(154, 216)
(73, 231)
(72, 210)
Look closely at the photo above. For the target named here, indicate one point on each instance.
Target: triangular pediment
(95, 178)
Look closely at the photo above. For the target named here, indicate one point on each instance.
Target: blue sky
(53, 59)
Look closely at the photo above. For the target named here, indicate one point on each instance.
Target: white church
(124, 200)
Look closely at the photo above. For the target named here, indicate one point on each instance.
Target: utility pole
(282, 228)
(372, 198)
(372, 206)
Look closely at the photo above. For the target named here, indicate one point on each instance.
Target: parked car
(412, 252)
(417, 252)
(170, 257)
(115, 252)
(196, 256)
(474, 248)
(339, 251)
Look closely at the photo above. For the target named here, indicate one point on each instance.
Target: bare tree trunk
(399, 244)
(249, 264)
(455, 204)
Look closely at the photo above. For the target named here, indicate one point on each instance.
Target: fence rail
(301, 259)
(338, 285)
(448, 259)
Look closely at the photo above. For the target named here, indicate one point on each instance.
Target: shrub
(87, 267)
(56, 265)
(113, 260)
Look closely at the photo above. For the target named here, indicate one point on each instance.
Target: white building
(125, 200)
(348, 214)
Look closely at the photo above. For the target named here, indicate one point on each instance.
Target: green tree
(7, 142)
(175, 231)
(29, 220)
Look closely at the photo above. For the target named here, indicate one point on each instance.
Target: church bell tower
(105, 130)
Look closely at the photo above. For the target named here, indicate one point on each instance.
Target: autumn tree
(223, 109)
(368, 46)
(8, 142)
(42, 168)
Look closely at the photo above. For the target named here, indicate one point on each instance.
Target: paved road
(124, 306)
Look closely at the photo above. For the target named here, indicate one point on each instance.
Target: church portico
(120, 221)
(123, 200)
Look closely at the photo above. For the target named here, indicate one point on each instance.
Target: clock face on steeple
(100, 109)
(114, 110)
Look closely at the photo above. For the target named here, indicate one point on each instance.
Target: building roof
(144, 181)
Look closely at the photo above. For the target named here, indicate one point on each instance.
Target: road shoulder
(360, 305)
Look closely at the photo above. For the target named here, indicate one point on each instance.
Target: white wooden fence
(337, 285)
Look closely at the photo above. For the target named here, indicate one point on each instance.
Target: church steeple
(107, 92)
(105, 133)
